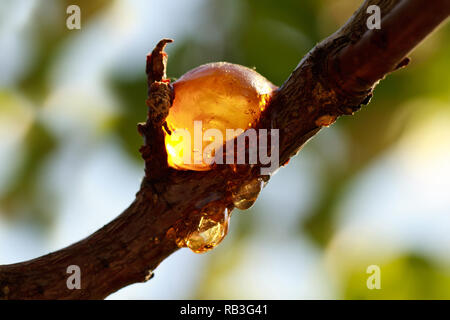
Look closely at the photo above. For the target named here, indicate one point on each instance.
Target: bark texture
(335, 78)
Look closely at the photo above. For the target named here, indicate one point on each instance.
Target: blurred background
(374, 189)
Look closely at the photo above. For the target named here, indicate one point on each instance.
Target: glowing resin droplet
(222, 96)
(210, 232)
(247, 194)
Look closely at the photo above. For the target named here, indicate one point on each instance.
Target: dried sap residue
(245, 196)
(210, 231)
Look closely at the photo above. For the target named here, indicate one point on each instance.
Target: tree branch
(335, 78)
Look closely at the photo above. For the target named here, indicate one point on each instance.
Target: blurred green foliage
(26, 189)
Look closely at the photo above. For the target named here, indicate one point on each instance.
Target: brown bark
(335, 78)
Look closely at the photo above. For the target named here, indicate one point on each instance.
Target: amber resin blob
(222, 96)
